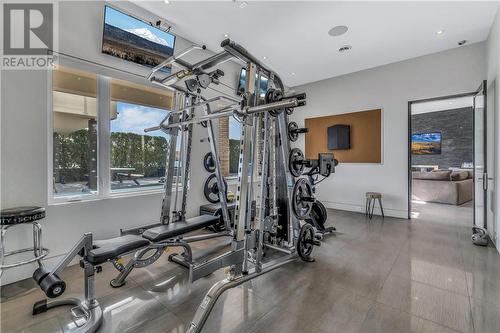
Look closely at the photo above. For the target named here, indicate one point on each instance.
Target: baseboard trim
(403, 214)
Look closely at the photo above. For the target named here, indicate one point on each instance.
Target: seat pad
(216, 207)
(174, 229)
(20, 215)
(112, 248)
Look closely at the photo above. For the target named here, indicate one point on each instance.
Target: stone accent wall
(457, 133)
(223, 141)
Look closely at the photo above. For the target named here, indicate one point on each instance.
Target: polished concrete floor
(390, 275)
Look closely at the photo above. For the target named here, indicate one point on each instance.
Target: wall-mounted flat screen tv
(426, 143)
(339, 137)
(243, 79)
(131, 39)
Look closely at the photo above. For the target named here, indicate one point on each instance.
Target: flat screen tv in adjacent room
(426, 143)
(339, 137)
(131, 39)
(242, 83)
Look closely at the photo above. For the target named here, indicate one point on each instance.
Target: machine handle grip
(301, 130)
(151, 129)
(300, 97)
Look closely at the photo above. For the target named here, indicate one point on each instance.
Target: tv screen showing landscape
(243, 79)
(131, 39)
(426, 143)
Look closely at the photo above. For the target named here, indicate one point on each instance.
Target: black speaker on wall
(339, 137)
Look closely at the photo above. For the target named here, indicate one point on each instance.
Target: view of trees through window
(137, 160)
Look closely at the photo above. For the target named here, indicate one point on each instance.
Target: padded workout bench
(87, 313)
(215, 209)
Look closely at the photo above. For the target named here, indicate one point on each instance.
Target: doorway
(441, 155)
(455, 201)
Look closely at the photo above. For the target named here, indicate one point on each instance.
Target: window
(234, 146)
(137, 159)
(229, 145)
(74, 134)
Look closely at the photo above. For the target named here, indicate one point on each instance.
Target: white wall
(389, 87)
(24, 153)
(493, 75)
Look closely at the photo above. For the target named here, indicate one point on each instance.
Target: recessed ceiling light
(226, 35)
(439, 32)
(345, 48)
(338, 30)
(292, 73)
(166, 1)
(264, 57)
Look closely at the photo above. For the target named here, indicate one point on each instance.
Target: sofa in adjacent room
(443, 186)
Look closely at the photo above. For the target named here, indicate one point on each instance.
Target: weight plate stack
(274, 95)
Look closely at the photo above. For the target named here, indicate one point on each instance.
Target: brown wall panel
(366, 135)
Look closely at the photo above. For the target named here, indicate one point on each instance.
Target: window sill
(233, 180)
(112, 195)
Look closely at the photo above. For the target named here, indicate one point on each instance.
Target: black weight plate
(211, 189)
(296, 155)
(305, 243)
(302, 189)
(274, 95)
(208, 162)
(292, 135)
(208, 189)
(318, 216)
(324, 212)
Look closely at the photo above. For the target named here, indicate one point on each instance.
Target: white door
(481, 181)
(491, 146)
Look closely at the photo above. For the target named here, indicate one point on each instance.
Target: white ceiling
(294, 35)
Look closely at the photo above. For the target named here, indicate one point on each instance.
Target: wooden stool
(371, 198)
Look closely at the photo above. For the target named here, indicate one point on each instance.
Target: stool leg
(37, 241)
(381, 208)
(2, 248)
(373, 207)
(366, 206)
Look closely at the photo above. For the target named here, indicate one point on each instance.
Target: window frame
(104, 77)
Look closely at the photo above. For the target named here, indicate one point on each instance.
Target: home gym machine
(264, 159)
(150, 242)
(280, 196)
